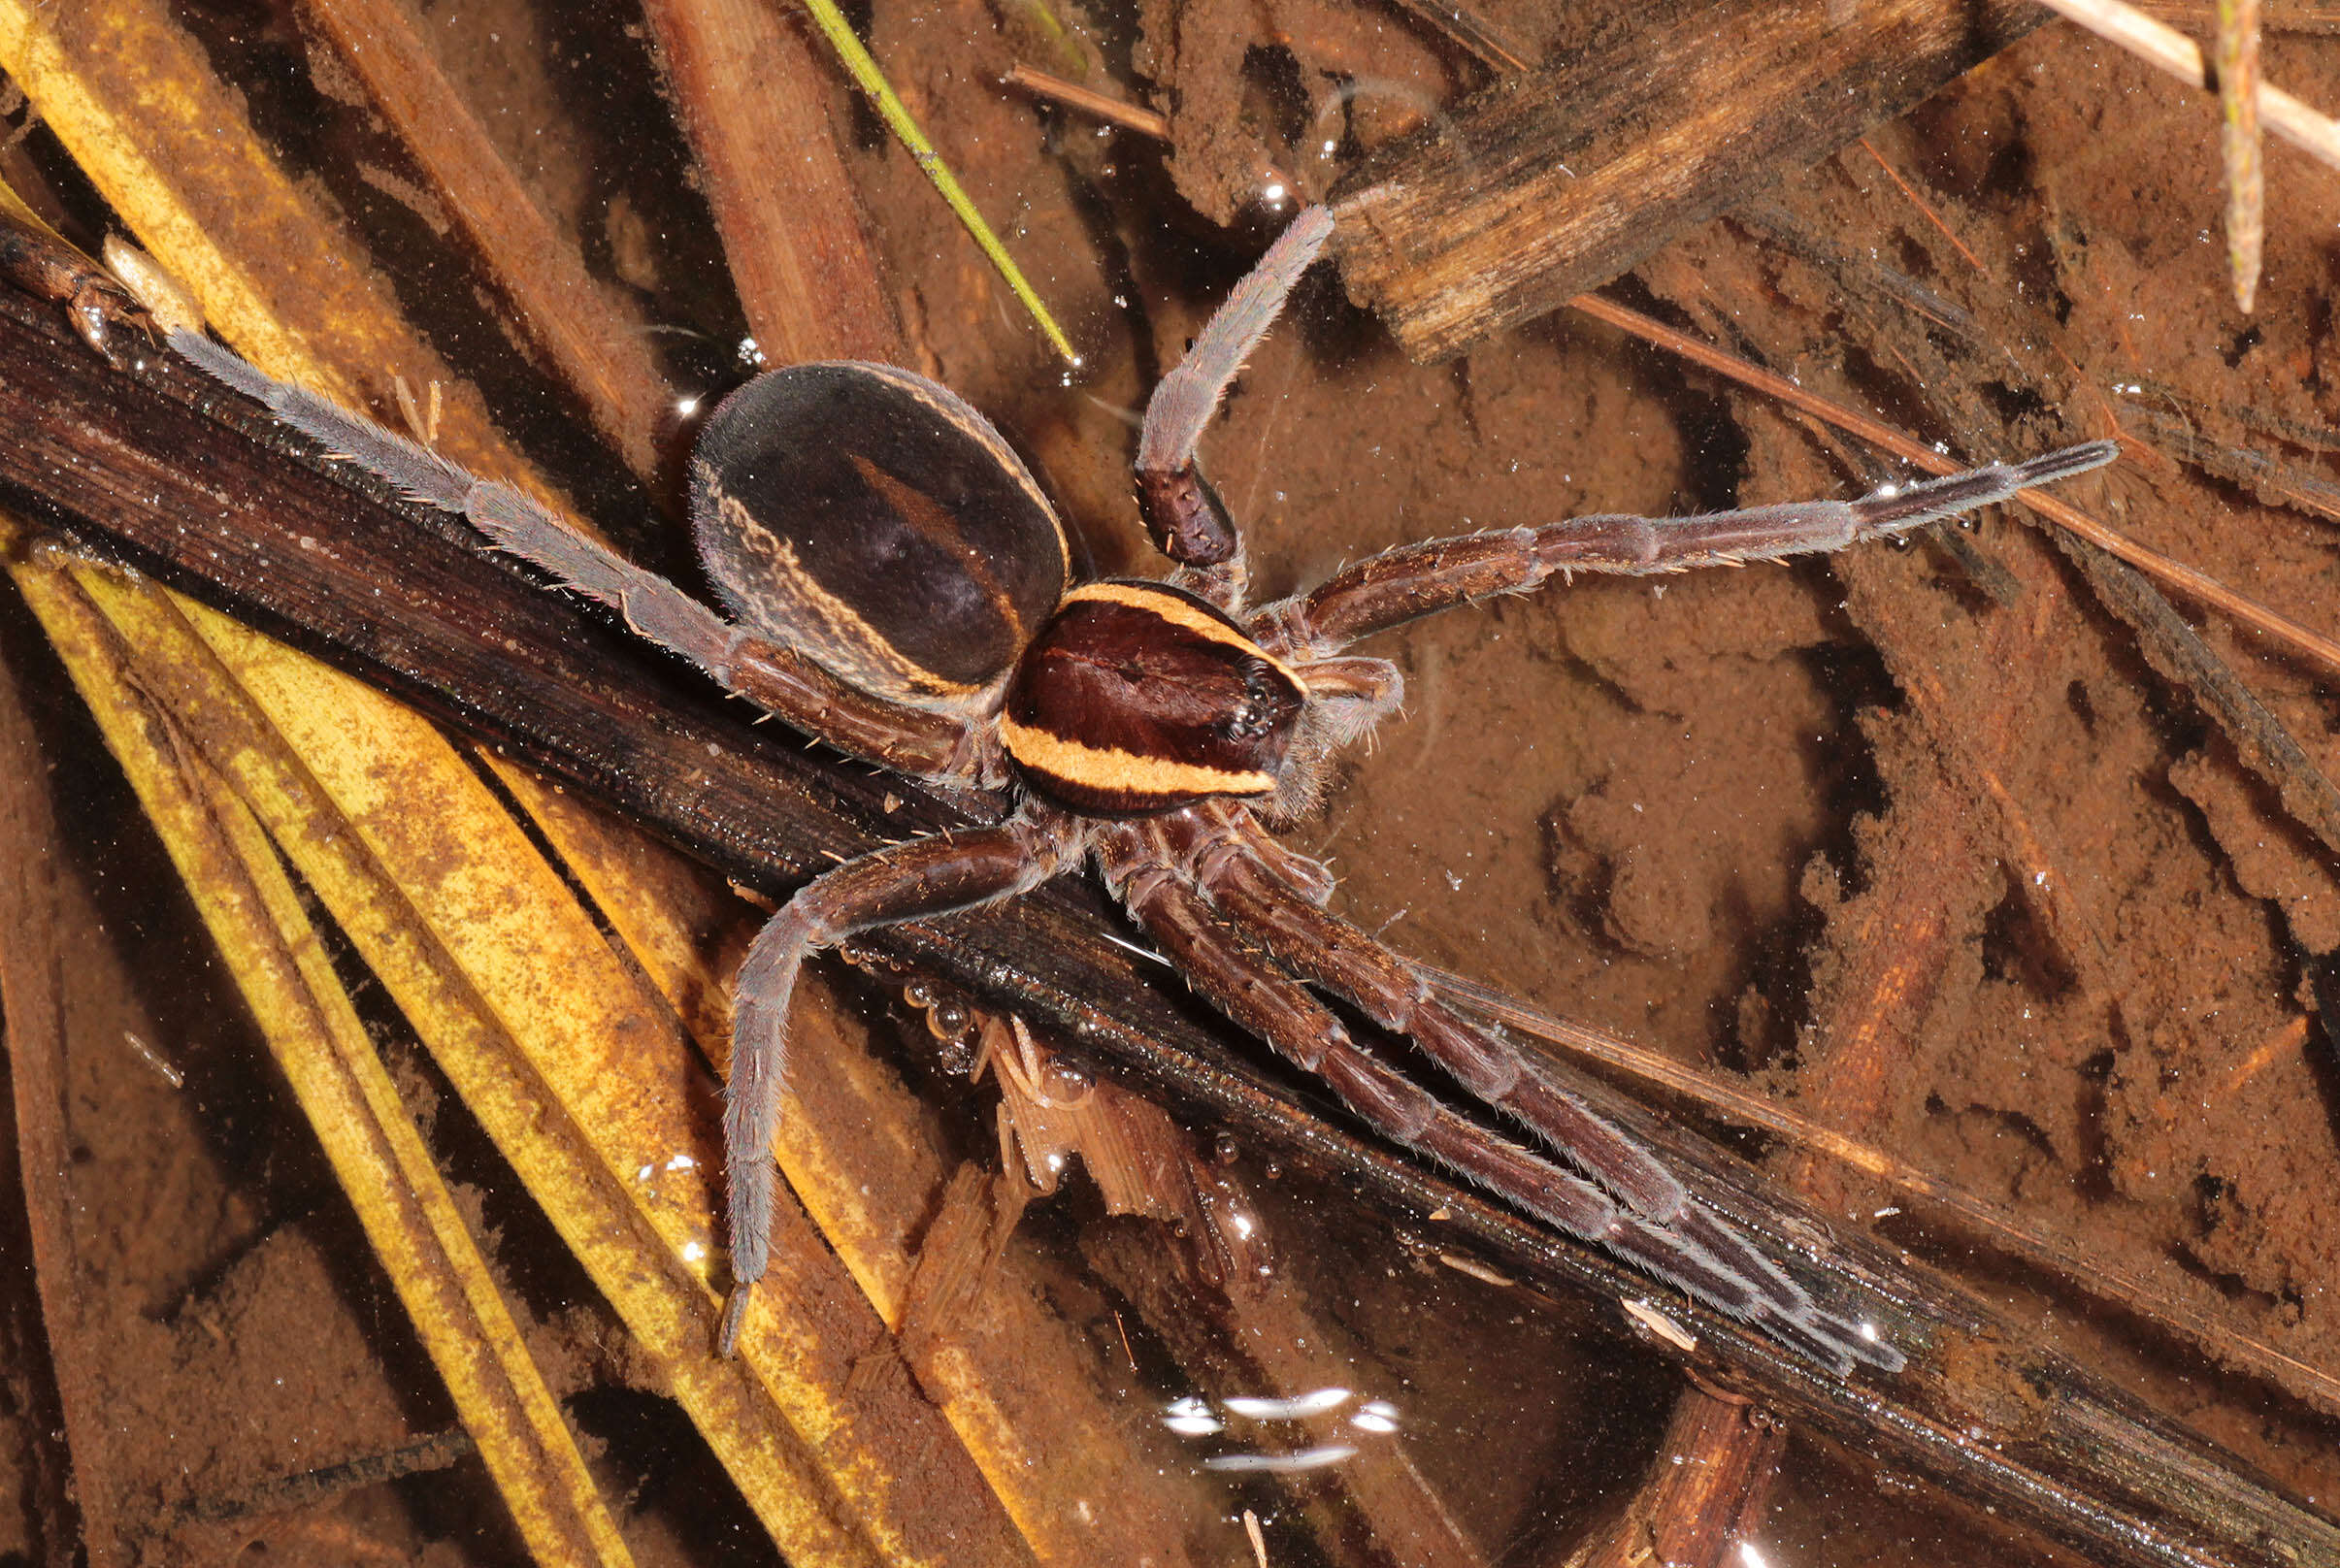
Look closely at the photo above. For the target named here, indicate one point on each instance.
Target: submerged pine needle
(1089, 101)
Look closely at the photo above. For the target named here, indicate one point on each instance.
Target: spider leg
(1327, 951)
(1244, 871)
(1183, 514)
(907, 881)
(778, 679)
(1271, 1005)
(1310, 878)
(1414, 580)
(1321, 947)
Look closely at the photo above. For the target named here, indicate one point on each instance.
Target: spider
(900, 589)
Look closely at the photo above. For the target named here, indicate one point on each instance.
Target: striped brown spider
(900, 589)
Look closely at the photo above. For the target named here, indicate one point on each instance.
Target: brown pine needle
(2238, 143)
(2175, 1312)
(1924, 207)
(2306, 642)
(1089, 101)
(1273, 183)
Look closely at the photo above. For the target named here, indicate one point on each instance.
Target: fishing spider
(900, 589)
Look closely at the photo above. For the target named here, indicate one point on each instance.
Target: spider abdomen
(869, 519)
(1136, 698)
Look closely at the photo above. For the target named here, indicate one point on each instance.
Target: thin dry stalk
(1089, 101)
(1116, 112)
(2238, 91)
(2312, 17)
(1925, 207)
(2165, 48)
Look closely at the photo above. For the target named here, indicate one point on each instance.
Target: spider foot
(1832, 1341)
(1897, 508)
(1712, 1235)
(1712, 1263)
(1697, 1252)
(735, 1313)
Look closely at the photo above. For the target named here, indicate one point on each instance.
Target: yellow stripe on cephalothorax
(1180, 613)
(1109, 768)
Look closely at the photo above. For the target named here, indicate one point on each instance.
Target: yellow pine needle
(125, 646)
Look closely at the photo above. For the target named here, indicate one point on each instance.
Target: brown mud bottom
(1930, 841)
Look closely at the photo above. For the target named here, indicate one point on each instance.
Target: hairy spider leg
(1277, 1009)
(1301, 875)
(1414, 580)
(1327, 951)
(907, 881)
(783, 682)
(1272, 1005)
(1182, 511)
(1290, 876)
(1661, 1229)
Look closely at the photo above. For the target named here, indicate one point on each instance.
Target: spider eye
(1259, 711)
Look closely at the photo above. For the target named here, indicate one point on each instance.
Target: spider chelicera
(900, 589)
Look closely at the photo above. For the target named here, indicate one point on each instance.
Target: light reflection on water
(1315, 1458)
(1192, 1416)
(1321, 1402)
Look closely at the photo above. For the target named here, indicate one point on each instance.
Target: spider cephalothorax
(902, 591)
(1137, 696)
